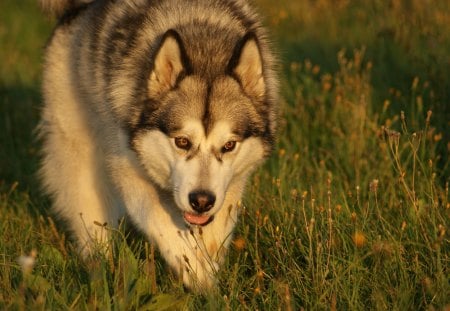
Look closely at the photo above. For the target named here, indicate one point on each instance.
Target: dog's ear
(246, 66)
(169, 64)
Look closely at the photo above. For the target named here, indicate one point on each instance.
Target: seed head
(353, 216)
(403, 225)
(415, 83)
(294, 194)
(374, 185)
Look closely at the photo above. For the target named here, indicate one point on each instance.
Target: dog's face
(203, 135)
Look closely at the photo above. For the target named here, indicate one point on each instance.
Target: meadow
(351, 212)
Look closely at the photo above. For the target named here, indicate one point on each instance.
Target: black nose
(202, 200)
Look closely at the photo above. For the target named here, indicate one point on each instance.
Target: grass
(350, 213)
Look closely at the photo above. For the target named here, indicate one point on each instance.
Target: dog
(157, 111)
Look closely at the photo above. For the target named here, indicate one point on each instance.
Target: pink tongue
(196, 219)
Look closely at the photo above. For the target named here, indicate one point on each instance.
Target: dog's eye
(229, 146)
(183, 143)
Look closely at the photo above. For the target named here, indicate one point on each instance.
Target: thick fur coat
(158, 111)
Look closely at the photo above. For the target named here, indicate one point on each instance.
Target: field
(351, 212)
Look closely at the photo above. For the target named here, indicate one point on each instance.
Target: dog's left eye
(229, 146)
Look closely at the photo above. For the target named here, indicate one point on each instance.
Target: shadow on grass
(19, 115)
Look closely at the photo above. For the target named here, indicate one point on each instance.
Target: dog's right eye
(183, 143)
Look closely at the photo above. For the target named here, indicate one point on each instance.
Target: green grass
(350, 213)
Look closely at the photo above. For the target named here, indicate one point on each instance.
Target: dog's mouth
(197, 219)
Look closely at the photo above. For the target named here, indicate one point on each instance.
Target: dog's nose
(202, 200)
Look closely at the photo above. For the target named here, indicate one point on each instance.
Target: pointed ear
(169, 63)
(246, 66)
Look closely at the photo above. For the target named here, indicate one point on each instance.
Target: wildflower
(326, 86)
(359, 239)
(316, 69)
(260, 274)
(27, 262)
(437, 137)
(283, 14)
(239, 243)
(304, 194)
(257, 291)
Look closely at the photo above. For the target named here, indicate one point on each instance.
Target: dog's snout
(202, 201)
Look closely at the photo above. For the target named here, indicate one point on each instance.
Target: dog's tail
(59, 7)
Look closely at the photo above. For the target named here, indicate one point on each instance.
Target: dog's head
(198, 135)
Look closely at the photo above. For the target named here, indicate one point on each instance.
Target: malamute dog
(157, 110)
